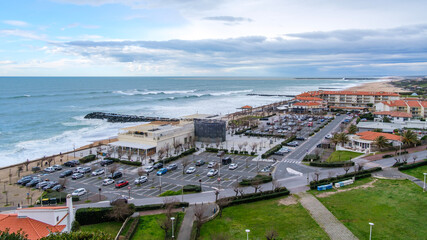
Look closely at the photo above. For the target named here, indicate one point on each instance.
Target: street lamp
(247, 234)
(370, 230)
(172, 218)
(424, 188)
(129, 191)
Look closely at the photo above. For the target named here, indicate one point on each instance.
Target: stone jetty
(115, 117)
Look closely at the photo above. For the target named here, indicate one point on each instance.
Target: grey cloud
(228, 19)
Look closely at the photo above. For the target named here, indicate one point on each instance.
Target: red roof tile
(413, 103)
(394, 114)
(308, 98)
(33, 228)
(371, 136)
(246, 107)
(321, 92)
(307, 104)
(46, 208)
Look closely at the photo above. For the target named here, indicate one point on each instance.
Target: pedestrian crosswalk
(291, 161)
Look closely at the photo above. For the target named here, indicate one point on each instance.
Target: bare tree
(254, 145)
(217, 142)
(240, 145)
(129, 154)
(165, 224)
(49, 160)
(198, 213)
(63, 182)
(26, 163)
(141, 171)
(271, 234)
(185, 162)
(346, 167)
(236, 187)
(405, 158)
(20, 169)
(112, 169)
(316, 175)
(121, 211)
(167, 149)
(222, 203)
(414, 157)
(275, 185)
(330, 174)
(256, 184)
(176, 146)
(397, 159)
(160, 153)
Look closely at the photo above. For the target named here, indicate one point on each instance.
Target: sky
(278, 38)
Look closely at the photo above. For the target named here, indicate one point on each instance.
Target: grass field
(417, 172)
(396, 207)
(339, 156)
(355, 184)
(111, 228)
(148, 227)
(291, 222)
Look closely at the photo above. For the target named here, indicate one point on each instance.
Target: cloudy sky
(289, 38)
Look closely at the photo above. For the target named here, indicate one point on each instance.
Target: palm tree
(352, 129)
(342, 138)
(409, 138)
(335, 139)
(381, 142)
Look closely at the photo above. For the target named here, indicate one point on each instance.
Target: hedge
(265, 135)
(357, 175)
(387, 155)
(261, 178)
(309, 157)
(183, 154)
(88, 158)
(132, 228)
(290, 139)
(413, 165)
(192, 188)
(86, 216)
(60, 196)
(159, 206)
(125, 161)
(252, 197)
(332, 164)
(271, 151)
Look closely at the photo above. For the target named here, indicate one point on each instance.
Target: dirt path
(367, 185)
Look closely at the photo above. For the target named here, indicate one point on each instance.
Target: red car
(121, 183)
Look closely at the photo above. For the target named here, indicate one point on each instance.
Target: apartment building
(418, 108)
(350, 100)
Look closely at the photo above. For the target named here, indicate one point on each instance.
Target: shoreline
(378, 86)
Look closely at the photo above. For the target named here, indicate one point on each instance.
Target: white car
(77, 170)
(141, 179)
(149, 168)
(328, 136)
(211, 164)
(190, 170)
(79, 192)
(232, 166)
(212, 172)
(98, 171)
(107, 181)
(49, 169)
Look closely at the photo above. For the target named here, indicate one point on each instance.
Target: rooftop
(321, 92)
(394, 114)
(308, 98)
(33, 228)
(371, 136)
(307, 104)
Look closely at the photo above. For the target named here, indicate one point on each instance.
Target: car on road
(200, 163)
(141, 180)
(149, 168)
(106, 162)
(57, 167)
(49, 170)
(98, 171)
(79, 192)
(328, 136)
(211, 164)
(85, 170)
(58, 188)
(77, 176)
(116, 175)
(162, 171)
(66, 173)
(121, 183)
(212, 172)
(172, 166)
(107, 181)
(158, 165)
(233, 166)
(25, 180)
(190, 170)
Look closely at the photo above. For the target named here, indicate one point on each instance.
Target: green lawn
(291, 222)
(339, 156)
(396, 207)
(417, 172)
(111, 228)
(148, 227)
(355, 184)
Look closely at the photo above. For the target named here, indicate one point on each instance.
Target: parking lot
(172, 180)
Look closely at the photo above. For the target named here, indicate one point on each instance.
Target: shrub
(290, 139)
(271, 151)
(75, 226)
(236, 151)
(331, 164)
(170, 193)
(413, 165)
(86, 216)
(252, 153)
(309, 157)
(88, 158)
(261, 178)
(192, 188)
(387, 155)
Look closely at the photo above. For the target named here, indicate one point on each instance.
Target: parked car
(226, 161)
(79, 192)
(85, 170)
(66, 173)
(162, 171)
(190, 170)
(293, 144)
(149, 168)
(49, 170)
(25, 180)
(58, 188)
(328, 136)
(212, 172)
(77, 169)
(76, 162)
(33, 182)
(233, 166)
(116, 175)
(107, 181)
(98, 171)
(121, 183)
(211, 164)
(141, 179)
(57, 167)
(50, 185)
(200, 163)
(77, 176)
(300, 138)
(41, 185)
(172, 166)
(158, 165)
(106, 162)
(70, 164)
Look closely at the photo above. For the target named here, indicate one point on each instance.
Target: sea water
(40, 116)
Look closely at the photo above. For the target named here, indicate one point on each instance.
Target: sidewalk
(326, 220)
(394, 173)
(188, 221)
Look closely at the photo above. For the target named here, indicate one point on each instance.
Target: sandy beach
(384, 86)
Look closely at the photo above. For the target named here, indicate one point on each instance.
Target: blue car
(162, 171)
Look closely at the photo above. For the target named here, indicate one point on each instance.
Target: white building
(364, 141)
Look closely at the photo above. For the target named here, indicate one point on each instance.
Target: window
(57, 218)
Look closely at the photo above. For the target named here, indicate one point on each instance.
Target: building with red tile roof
(307, 106)
(418, 108)
(394, 115)
(368, 135)
(365, 141)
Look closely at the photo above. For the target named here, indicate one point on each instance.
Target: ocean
(40, 116)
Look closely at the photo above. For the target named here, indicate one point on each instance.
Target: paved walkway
(394, 173)
(187, 222)
(334, 228)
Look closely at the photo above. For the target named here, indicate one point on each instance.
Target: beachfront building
(418, 108)
(394, 116)
(307, 107)
(147, 139)
(350, 100)
(365, 141)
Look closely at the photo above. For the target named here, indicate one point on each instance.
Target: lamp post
(172, 218)
(129, 191)
(424, 188)
(99, 193)
(247, 234)
(370, 230)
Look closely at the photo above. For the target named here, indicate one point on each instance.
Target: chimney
(70, 217)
